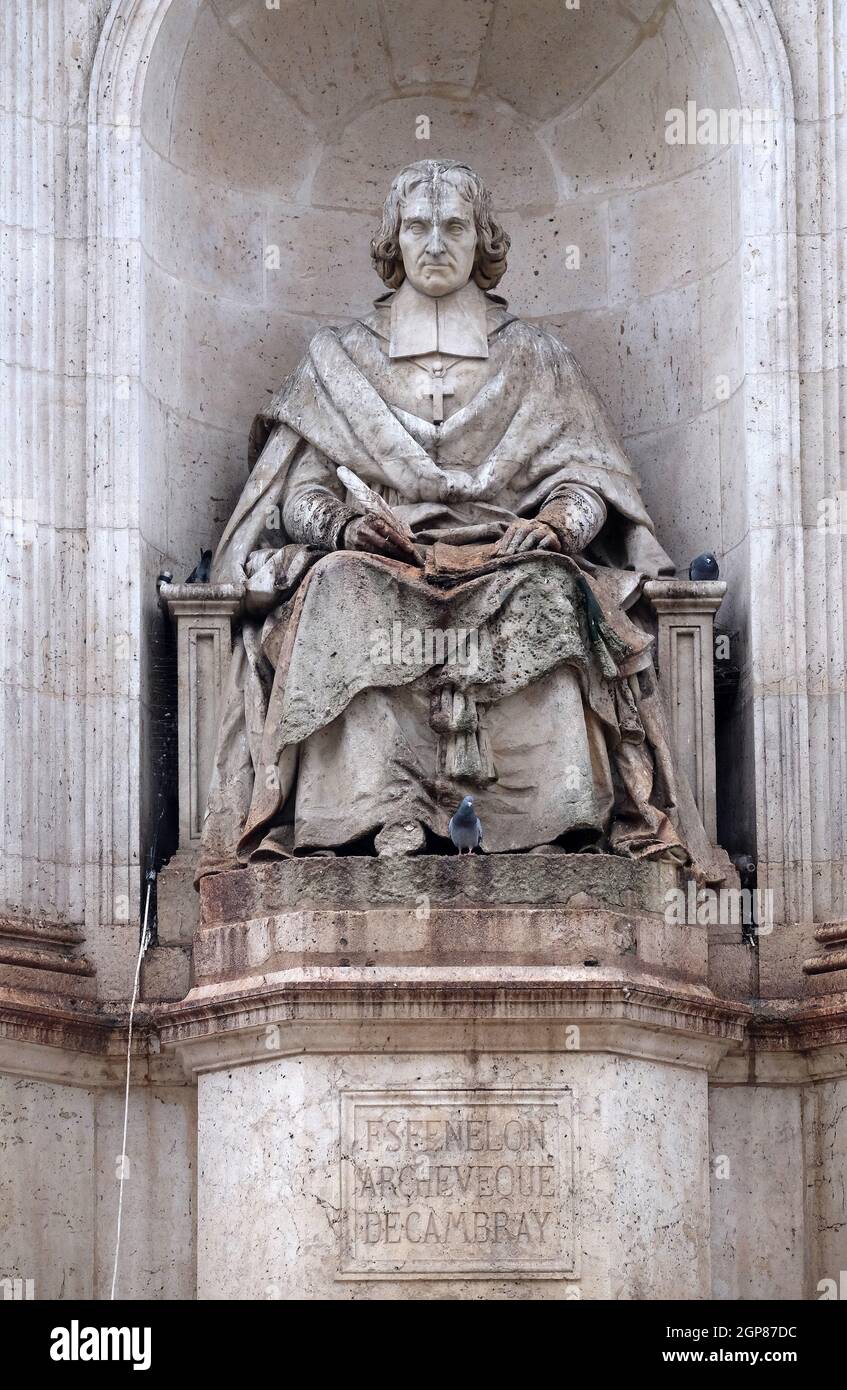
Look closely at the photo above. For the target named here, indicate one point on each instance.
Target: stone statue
(444, 548)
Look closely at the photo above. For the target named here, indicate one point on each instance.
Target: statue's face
(437, 239)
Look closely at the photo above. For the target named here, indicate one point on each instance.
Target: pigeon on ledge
(465, 827)
(705, 566)
(200, 573)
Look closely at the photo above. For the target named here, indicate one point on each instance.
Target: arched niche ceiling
(282, 128)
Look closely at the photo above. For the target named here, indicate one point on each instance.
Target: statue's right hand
(375, 534)
(257, 559)
(267, 580)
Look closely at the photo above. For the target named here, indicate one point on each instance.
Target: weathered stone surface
(634, 1120)
(497, 880)
(489, 937)
(48, 1131)
(177, 901)
(419, 911)
(166, 973)
(757, 1245)
(59, 1189)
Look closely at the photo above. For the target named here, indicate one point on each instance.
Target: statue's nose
(435, 242)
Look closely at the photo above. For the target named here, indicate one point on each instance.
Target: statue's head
(438, 230)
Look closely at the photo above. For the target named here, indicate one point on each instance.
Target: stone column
(50, 708)
(46, 54)
(814, 39)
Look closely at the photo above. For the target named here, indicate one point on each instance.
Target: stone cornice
(48, 1037)
(535, 1012)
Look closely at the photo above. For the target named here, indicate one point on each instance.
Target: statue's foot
(407, 838)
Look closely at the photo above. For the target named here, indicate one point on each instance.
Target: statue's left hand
(527, 535)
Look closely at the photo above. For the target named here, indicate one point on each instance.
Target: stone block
(651, 249)
(177, 901)
(757, 1193)
(532, 880)
(165, 973)
(597, 1138)
(46, 1194)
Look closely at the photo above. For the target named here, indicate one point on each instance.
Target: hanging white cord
(141, 949)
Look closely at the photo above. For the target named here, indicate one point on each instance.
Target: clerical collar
(454, 324)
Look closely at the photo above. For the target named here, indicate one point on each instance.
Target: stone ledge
(833, 937)
(447, 1011)
(477, 993)
(686, 595)
(826, 963)
(603, 881)
(39, 954)
(80, 1042)
(42, 929)
(505, 938)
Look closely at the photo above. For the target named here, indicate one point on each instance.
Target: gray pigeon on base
(704, 566)
(201, 571)
(466, 827)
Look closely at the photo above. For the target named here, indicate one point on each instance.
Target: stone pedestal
(203, 616)
(472, 1161)
(685, 651)
(405, 1091)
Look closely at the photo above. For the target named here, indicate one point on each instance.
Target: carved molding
(84, 1043)
(833, 937)
(45, 956)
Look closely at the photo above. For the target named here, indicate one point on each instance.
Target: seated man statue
(443, 546)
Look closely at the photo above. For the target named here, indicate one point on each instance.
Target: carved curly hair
(492, 242)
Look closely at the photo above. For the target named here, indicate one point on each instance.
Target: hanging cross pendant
(438, 391)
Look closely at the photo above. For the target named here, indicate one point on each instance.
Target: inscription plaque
(438, 1183)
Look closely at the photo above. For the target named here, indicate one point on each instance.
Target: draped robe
(339, 718)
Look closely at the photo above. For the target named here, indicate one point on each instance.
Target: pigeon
(705, 566)
(746, 866)
(465, 827)
(200, 573)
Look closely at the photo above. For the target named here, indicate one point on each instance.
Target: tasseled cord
(606, 643)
